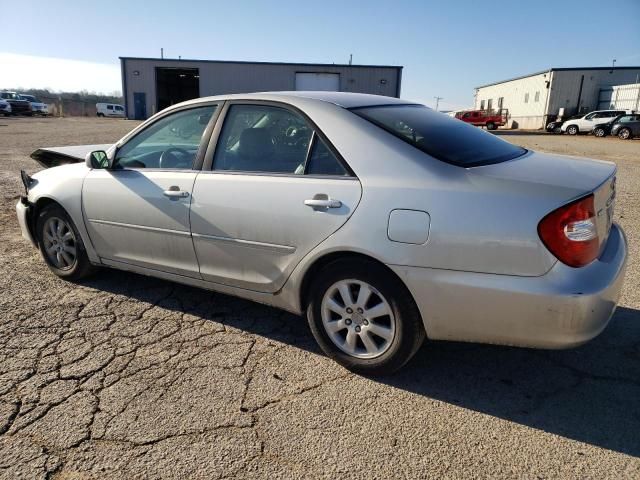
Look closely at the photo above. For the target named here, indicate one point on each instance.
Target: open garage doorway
(175, 85)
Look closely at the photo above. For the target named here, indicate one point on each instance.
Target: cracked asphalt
(123, 376)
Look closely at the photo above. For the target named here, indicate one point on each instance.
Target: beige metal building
(152, 84)
(533, 100)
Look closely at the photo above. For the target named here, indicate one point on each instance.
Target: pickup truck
(491, 119)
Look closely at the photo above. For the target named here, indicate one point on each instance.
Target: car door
(137, 212)
(635, 125)
(273, 190)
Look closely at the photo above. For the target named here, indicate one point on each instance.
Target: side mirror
(97, 159)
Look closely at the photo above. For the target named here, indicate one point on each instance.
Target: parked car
(109, 110)
(38, 107)
(554, 126)
(627, 127)
(5, 107)
(382, 221)
(586, 123)
(18, 105)
(603, 129)
(491, 119)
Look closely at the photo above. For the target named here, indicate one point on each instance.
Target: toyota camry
(382, 221)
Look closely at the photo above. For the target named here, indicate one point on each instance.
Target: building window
(526, 98)
(489, 104)
(500, 102)
(481, 104)
(537, 97)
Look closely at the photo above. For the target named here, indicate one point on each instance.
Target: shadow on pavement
(590, 394)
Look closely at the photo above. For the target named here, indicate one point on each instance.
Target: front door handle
(323, 203)
(175, 192)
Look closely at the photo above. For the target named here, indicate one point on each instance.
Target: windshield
(445, 138)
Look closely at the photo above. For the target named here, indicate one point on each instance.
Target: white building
(533, 100)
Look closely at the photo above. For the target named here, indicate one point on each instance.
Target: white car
(5, 107)
(586, 123)
(109, 110)
(381, 220)
(37, 107)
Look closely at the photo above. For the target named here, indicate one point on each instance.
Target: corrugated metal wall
(524, 97)
(218, 78)
(566, 88)
(624, 97)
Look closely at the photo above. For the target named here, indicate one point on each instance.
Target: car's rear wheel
(572, 130)
(599, 132)
(61, 245)
(364, 318)
(624, 134)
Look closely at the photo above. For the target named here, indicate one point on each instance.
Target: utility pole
(161, 52)
(350, 58)
(438, 101)
(613, 66)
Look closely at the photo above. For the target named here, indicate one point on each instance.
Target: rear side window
(441, 136)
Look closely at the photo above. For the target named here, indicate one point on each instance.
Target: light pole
(438, 101)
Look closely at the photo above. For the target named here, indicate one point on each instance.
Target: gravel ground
(125, 376)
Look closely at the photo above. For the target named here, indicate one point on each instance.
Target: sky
(446, 47)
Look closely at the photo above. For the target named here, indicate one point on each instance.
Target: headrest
(255, 142)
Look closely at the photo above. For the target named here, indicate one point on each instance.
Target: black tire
(624, 134)
(491, 126)
(409, 329)
(80, 267)
(573, 130)
(100, 114)
(599, 132)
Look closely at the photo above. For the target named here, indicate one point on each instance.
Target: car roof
(342, 99)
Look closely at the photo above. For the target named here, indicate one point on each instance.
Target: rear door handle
(175, 192)
(323, 203)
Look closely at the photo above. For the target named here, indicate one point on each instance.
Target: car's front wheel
(624, 134)
(364, 318)
(491, 126)
(572, 130)
(61, 245)
(599, 132)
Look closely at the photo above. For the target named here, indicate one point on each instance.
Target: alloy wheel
(59, 243)
(358, 319)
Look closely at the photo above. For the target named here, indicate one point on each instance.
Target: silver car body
(463, 240)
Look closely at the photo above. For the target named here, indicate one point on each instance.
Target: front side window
(626, 119)
(170, 143)
(119, 108)
(441, 136)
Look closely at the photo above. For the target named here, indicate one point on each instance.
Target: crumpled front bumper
(23, 209)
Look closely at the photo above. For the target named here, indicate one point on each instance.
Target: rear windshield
(443, 137)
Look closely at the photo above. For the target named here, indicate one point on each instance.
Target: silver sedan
(383, 221)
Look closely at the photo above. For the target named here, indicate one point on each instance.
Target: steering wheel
(168, 159)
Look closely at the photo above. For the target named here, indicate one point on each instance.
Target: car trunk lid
(558, 180)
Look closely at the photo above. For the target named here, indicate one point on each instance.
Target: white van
(109, 110)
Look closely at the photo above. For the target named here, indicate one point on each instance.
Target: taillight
(570, 232)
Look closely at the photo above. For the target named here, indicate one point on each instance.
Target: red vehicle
(491, 119)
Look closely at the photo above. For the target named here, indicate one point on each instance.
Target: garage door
(328, 82)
